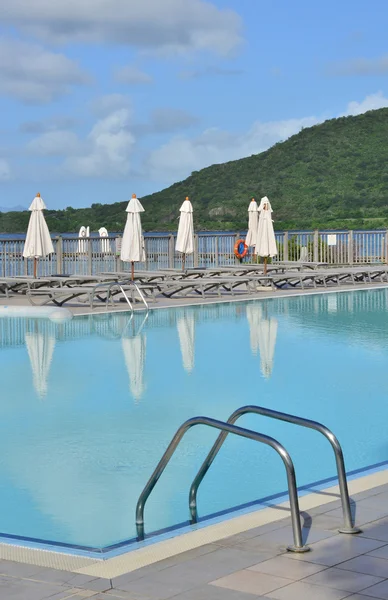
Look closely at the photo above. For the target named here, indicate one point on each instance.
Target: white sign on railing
(332, 239)
(118, 241)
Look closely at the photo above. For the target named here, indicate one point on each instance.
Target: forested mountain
(333, 175)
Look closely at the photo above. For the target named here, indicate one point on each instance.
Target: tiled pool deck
(246, 566)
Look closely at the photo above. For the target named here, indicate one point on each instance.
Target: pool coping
(270, 295)
(151, 553)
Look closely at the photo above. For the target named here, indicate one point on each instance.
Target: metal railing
(120, 285)
(88, 256)
(298, 545)
(348, 526)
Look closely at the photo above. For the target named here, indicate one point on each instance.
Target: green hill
(333, 175)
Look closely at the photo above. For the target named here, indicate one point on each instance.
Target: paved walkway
(248, 566)
(79, 309)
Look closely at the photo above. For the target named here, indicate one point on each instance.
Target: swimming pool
(89, 406)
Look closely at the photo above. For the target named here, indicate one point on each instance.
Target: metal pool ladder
(120, 286)
(230, 427)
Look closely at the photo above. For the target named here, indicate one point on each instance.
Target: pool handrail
(298, 545)
(120, 285)
(348, 526)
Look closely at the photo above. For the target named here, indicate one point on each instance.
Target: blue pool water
(88, 407)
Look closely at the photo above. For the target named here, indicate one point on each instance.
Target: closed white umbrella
(253, 224)
(266, 242)
(105, 243)
(186, 332)
(185, 236)
(82, 234)
(40, 347)
(38, 242)
(132, 245)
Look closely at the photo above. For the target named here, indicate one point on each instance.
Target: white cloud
(157, 25)
(168, 120)
(372, 102)
(132, 76)
(181, 155)
(35, 75)
(107, 150)
(359, 66)
(105, 105)
(55, 143)
(5, 170)
(56, 123)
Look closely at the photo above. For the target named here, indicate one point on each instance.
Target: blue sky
(103, 98)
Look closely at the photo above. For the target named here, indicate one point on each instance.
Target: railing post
(171, 252)
(118, 242)
(59, 253)
(386, 247)
(196, 254)
(350, 247)
(236, 238)
(285, 246)
(90, 257)
(316, 244)
(147, 262)
(216, 251)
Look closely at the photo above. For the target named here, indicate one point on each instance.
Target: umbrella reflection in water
(40, 347)
(134, 349)
(263, 333)
(186, 332)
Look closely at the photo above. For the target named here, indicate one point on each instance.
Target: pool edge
(131, 560)
(270, 295)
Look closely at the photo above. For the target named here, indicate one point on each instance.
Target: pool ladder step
(229, 427)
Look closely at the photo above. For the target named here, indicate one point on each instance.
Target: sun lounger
(203, 285)
(21, 284)
(103, 292)
(328, 277)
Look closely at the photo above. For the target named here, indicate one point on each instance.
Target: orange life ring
(240, 249)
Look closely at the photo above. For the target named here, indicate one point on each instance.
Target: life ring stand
(240, 249)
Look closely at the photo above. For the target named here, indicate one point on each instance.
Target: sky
(100, 99)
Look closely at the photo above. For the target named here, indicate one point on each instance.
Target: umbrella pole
(133, 270)
(183, 261)
(35, 267)
(265, 265)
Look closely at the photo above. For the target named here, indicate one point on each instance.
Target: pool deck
(248, 565)
(78, 310)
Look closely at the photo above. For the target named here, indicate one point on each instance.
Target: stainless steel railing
(226, 428)
(348, 526)
(82, 256)
(122, 290)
